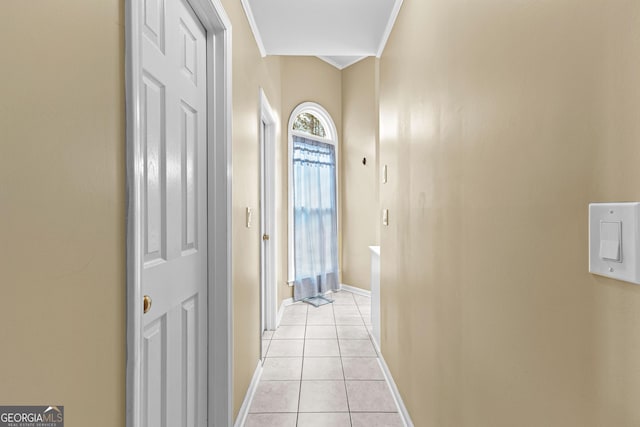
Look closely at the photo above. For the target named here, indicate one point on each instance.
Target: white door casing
(264, 246)
(268, 284)
(178, 243)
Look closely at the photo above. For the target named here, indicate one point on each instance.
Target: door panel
(189, 139)
(190, 372)
(154, 356)
(153, 102)
(174, 136)
(153, 19)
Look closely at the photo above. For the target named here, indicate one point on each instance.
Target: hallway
(321, 369)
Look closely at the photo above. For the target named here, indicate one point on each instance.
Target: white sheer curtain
(315, 218)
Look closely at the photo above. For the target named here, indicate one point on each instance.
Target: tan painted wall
(62, 208)
(500, 122)
(304, 79)
(360, 192)
(250, 72)
(62, 203)
(285, 81)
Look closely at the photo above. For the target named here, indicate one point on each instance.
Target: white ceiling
(341, 32)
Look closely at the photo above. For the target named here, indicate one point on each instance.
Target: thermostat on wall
(614, 240)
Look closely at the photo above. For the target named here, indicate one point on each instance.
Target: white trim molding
(283, 304)
(402, 410)
(387, 32)
(254, 27)
(248, 398)
(268, 212)
(218, 26)
(134, 220)
(330, 61)
(220, 219)
(355, 290)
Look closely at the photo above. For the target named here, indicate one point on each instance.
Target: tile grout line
(368, 332)
(304, 344)
(340, 355)
(369, 338)
(344, 378)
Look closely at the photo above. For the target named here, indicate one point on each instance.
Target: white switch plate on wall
(614, 240)
(248, 215)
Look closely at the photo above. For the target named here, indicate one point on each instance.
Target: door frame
(268, 288)
(218, 26)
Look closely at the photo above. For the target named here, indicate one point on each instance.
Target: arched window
(308, 123)
(313, 203)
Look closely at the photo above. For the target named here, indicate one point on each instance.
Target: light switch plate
(614, 240)
(384, 174)
(248, 217)
(385, 217)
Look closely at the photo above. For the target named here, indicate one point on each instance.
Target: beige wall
(62, 165)
(500, 122)
(287, 81)
(359, 198)
(62, 208)
(250, 73)
(303, 79)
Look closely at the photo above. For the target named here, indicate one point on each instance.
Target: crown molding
(387, 32)
(254, 27)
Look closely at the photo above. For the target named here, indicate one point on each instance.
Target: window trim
(331, 138)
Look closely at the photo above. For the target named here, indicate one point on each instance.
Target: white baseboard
(354, 290)
(404, 413)
(283, 304)
(248, 398)
(376, 344)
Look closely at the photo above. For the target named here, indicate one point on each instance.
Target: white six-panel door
(174, 217)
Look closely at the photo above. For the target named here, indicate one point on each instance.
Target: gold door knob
(146, 303)
(265, 237)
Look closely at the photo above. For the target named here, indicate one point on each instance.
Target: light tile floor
(321, 370)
